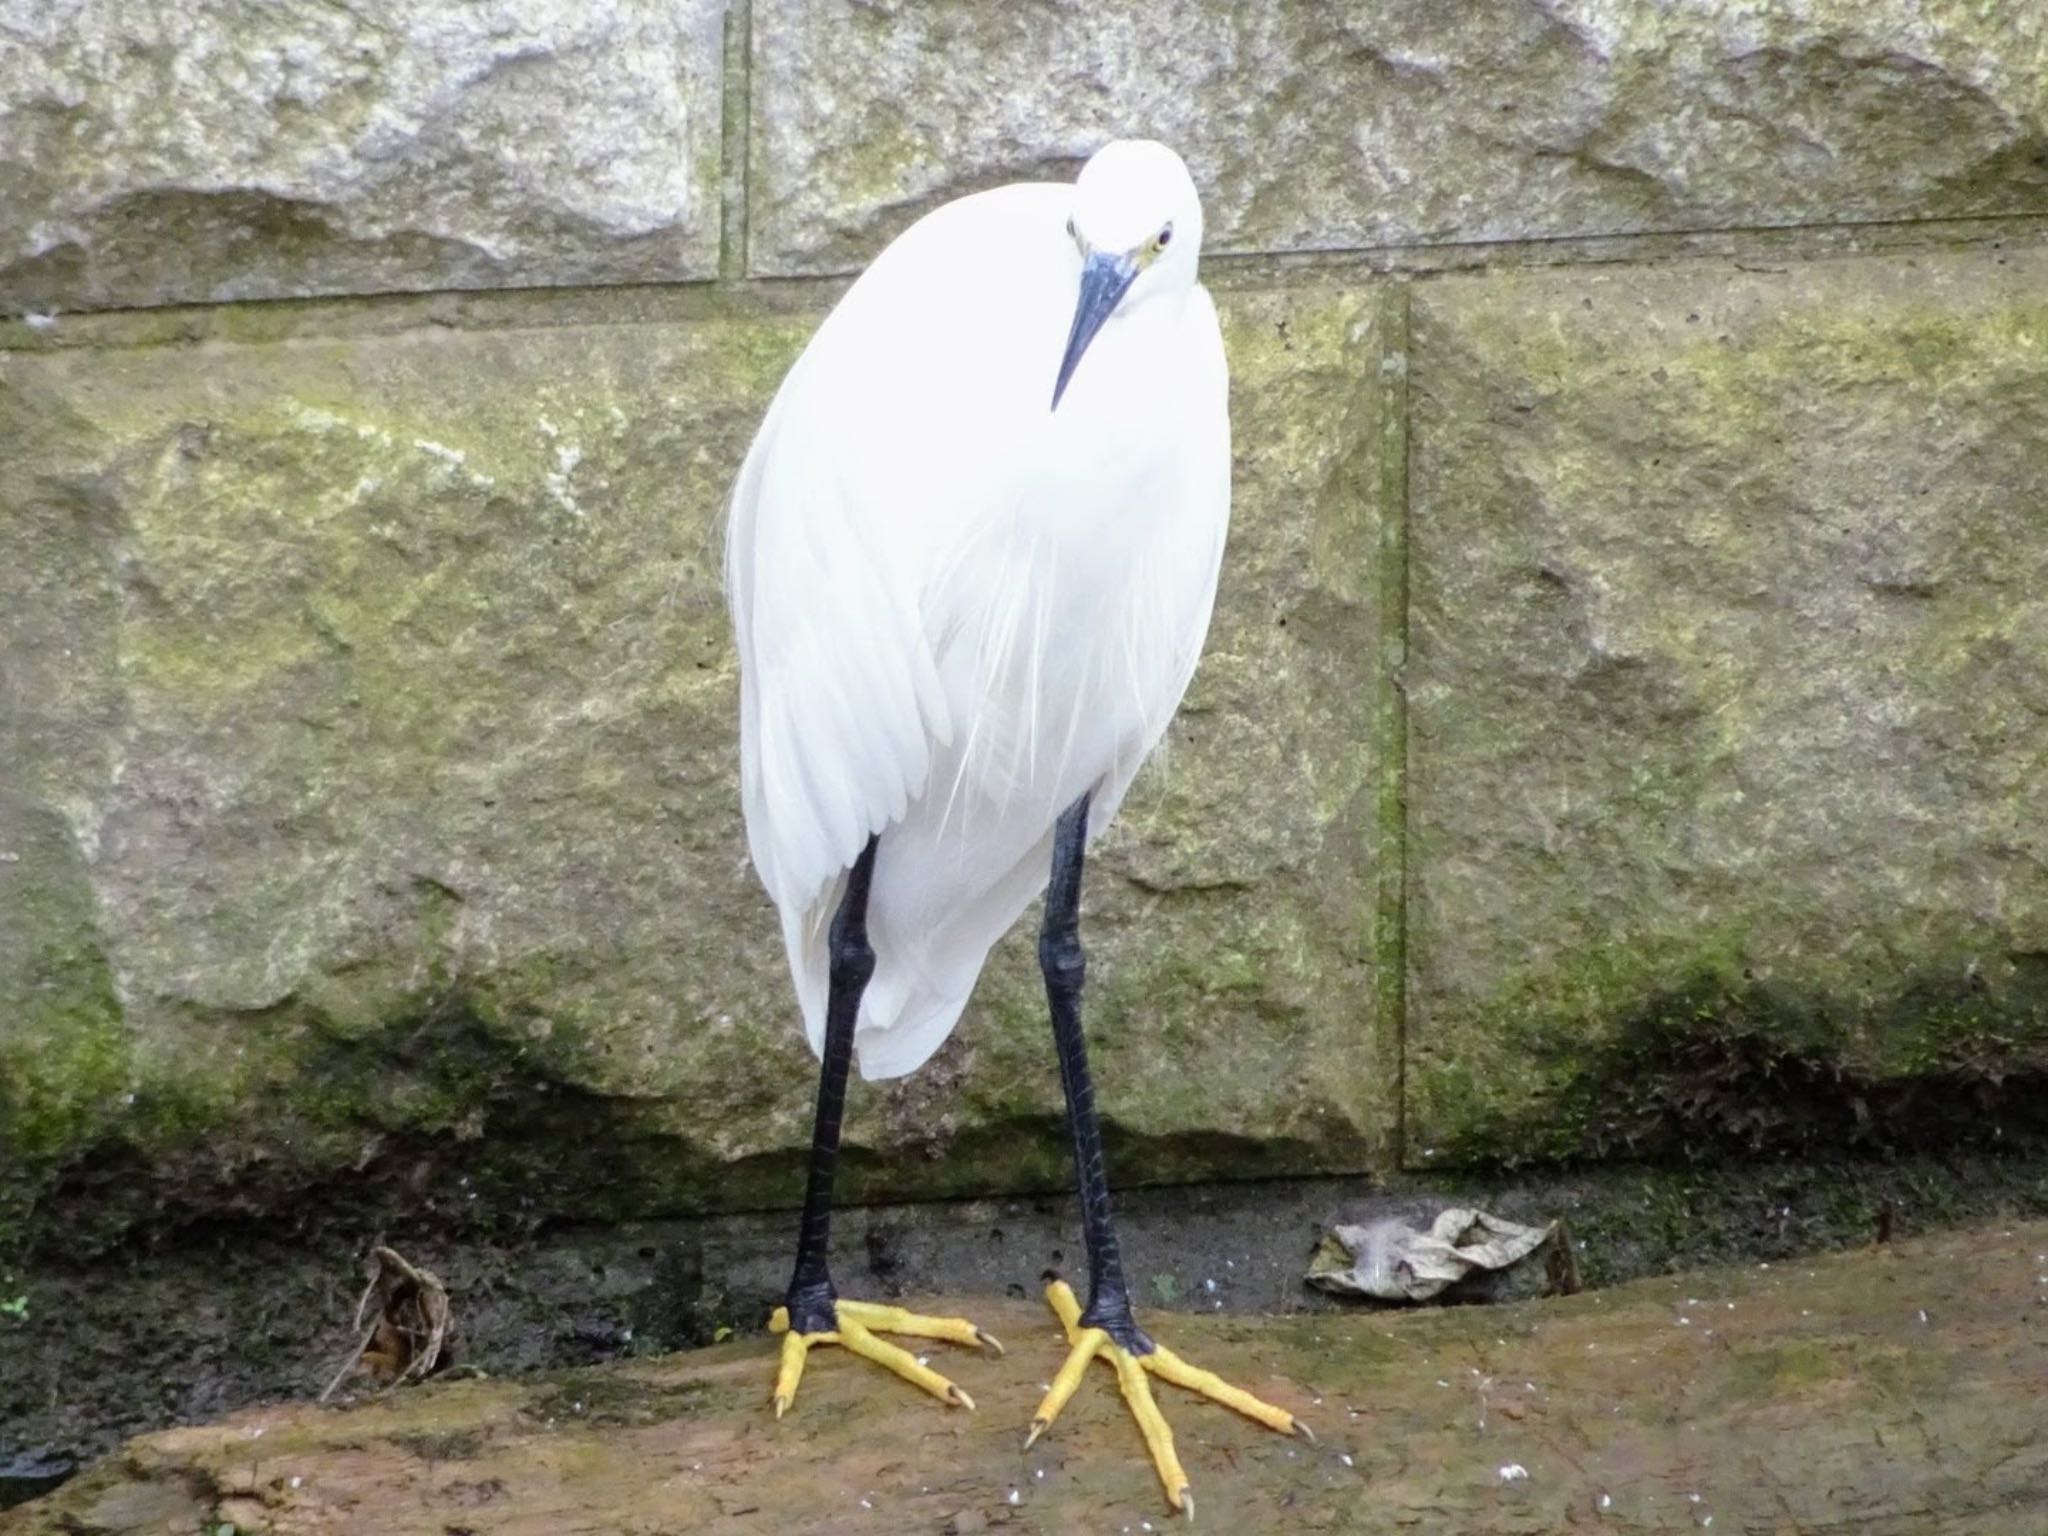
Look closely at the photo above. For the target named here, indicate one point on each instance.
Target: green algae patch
(1710, 1072)
(64, 1046)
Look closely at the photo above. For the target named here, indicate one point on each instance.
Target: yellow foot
(858, 1321)
(1131, 1371)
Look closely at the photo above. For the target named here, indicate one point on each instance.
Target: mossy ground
(1889, 1384)
(173, 1332)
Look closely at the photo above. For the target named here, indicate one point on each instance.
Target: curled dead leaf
(1393, 1260)
(403, 1323)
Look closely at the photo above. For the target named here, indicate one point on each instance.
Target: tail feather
(905, 1016)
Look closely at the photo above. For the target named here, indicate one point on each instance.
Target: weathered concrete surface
(1892, 1392)
(370, 819)
(94, 1353)
(219, 150)
(1729, 692)
(1313, 126)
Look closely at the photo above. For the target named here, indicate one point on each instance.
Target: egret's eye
(1165, 237)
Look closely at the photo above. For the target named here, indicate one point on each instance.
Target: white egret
(972, 556)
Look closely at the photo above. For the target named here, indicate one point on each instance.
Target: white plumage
(958, 608)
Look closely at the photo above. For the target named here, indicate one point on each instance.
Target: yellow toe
(1087, 1342)
(855, 1337)
(1060, 1297)
(856, 1333)
(1168, 1366)
(795, 1348)
(1137, 1391)
(1132, 1374)
(886, 1319)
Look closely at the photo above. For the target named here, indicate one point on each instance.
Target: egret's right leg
(813, 1314)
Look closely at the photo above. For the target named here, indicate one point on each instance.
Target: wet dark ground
(186, 1331)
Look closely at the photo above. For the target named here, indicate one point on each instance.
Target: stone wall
(1625, 727)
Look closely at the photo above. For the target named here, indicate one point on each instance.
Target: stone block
(221, 150)
(1729, 691)
(1400, 122)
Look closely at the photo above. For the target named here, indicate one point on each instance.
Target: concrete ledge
(1885, 1391)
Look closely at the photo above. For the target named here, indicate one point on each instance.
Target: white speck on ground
(1514, 1472)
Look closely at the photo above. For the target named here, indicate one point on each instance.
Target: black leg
(811, 1297)
(1065, 968)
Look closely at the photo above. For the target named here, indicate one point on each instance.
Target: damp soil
(188, 1329)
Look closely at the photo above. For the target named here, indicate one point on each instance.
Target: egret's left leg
(813, 1313)
(1106, 1328)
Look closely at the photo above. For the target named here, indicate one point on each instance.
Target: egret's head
(1137, 225)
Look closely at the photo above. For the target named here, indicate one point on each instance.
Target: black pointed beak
(1103, 281)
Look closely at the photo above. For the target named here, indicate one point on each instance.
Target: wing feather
(841, 702)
